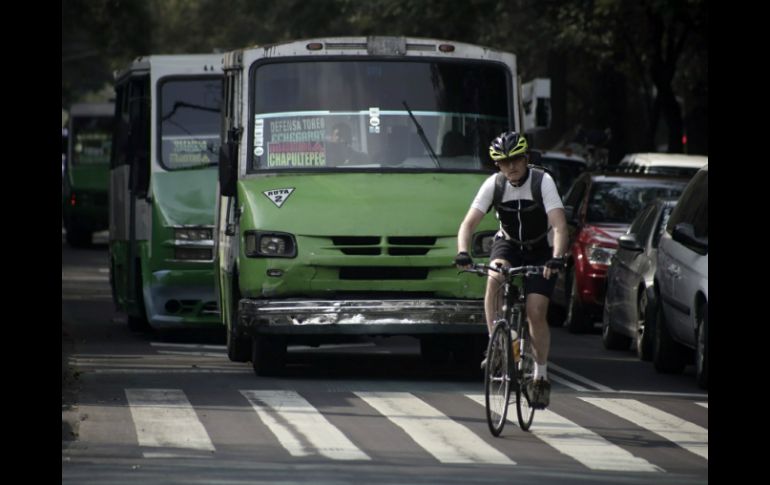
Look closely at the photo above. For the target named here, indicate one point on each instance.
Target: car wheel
(702, 348)
(669, 356)
(611, 339)
(645, 329)
(577, 320)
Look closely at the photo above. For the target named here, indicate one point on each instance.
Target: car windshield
(564, 171)
(620, 202)
(92, 139)
(189, 122)
(355, 114)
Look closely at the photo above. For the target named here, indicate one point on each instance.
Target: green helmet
(509, 144)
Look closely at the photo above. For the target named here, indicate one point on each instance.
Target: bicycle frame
(503, 366)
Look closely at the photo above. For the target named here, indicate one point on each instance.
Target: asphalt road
(148, 408)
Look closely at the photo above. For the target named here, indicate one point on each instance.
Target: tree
(642, 42)
(97, 38)
(634, 67)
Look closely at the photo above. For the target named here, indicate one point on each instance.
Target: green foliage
(609, 59)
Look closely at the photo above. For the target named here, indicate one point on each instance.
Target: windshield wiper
(422, 136)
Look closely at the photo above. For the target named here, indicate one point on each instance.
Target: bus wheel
(138, 323)
(238, 346)
(268, 354)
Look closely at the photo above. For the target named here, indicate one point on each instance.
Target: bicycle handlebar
(481, 270)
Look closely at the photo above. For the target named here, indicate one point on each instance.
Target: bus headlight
(270, 244)
(193, 234)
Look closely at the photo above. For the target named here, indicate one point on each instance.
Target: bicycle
(509, 362)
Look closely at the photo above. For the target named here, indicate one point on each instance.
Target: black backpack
(536, 172)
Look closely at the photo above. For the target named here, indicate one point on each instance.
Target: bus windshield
(335, 115)
(189, 122)
(92, 139)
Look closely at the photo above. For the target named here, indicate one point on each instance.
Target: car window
(619, 202)
(701, 225)
(647, 224)
(661, 225)
(639, 221)
(564, 171)
(693, 206)
(575, 194)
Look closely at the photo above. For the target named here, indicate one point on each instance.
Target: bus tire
(268, 354)
(238, 346)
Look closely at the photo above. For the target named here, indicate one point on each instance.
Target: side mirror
(228, 162)
(628, 241)
(228, 169)
(684, 233)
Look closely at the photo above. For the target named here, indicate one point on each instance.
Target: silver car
(682, 284)
(629, 307)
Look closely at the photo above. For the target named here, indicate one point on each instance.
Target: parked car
(599, 208)
(682, 284)
(629, 307)
(676, 164)
(564, 167)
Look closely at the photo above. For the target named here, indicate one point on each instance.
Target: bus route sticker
(278, 196)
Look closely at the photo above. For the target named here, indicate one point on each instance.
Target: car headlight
(599, 254)
(270, 244)
(482, 244)
(193, 234)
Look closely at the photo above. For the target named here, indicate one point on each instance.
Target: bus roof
(167, 65)
(383, 45)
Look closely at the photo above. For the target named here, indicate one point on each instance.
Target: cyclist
(526, 216)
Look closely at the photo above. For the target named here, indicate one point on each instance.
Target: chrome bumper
(365, 317)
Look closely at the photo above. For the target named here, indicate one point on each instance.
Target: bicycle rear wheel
(497, 378)
(525, 369)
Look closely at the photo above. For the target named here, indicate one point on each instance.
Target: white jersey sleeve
(551, 199)
(483, 199)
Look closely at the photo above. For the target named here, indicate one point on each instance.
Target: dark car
(629, 307)
(599, 208)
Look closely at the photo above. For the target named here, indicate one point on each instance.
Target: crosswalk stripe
(580, 378)
(579, 443)
(683, 433)
(300, 428)
(704, 404)
(165, 418)
(445, 439)
(565, 382)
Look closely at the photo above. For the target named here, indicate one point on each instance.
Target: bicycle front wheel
(497, 378)
(525, 369)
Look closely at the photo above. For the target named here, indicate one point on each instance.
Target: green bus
(86, 168)
(347, 166)
(162, 190)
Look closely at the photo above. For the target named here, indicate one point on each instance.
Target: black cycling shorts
(507, 250)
